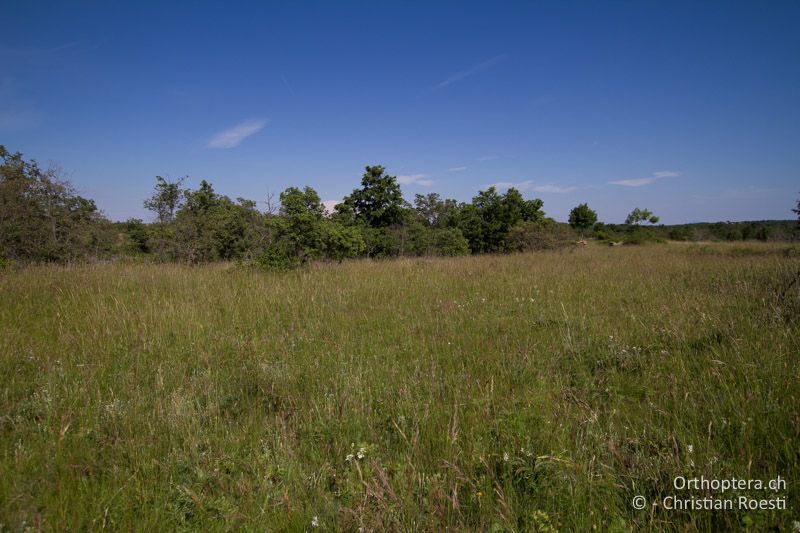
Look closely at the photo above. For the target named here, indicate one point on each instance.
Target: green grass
(510, 393)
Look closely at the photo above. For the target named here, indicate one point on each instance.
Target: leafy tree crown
(582, 217)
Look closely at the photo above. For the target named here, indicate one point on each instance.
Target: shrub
(450, 242)
(383, 242)
(535, 235)
(342, 242)
(642, 236)
(679, 234)
(277, 259)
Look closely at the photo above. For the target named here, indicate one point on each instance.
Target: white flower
(505, 456)
(314, 521)
(349, 457)
(362, 452)
(690, 448)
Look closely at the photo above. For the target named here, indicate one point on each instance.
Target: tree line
(44, 219)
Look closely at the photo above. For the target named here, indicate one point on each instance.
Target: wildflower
(505, 456)
(690, 448)
(314, 521)
(478, 494)
(362, 452)
(348, 458)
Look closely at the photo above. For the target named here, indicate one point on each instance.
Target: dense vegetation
(42, 219)
(41, 216)
(528, 392)
(525, 392)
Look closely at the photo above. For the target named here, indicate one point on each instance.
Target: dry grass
(511, 393)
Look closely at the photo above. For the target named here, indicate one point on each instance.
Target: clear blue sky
(692, 108)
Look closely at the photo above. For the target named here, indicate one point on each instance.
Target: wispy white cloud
(640, 182)
(330, 205)
(415, 179)
(231, 137)
(554, 189)
(456, 169)
(487, 158)
(471, 71)
(666, 174)
(529, 185)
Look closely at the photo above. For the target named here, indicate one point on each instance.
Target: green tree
(435, 212)
(237, 229)
(449, 242)
(166, 199)
(582, 218)
(211, 227)
(516, 209)
(379, 202)
(342, 242)
(763, 232)
(641, 215)
(301, 232)
(134, 236)
(295, 202)
(202, 200)
(485, 222)
(303, 215)
(797, 212)
(42, 218)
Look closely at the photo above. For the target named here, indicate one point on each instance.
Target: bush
(450, 242)
(342, 242)
(383, 242)
(642, 236)
(536, 235)
(276, 259)
(679, 234)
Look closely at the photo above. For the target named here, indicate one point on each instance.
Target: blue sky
(689, 109)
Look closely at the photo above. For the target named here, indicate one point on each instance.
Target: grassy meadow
(531, 392)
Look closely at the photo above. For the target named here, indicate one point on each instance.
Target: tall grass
(516, 393)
